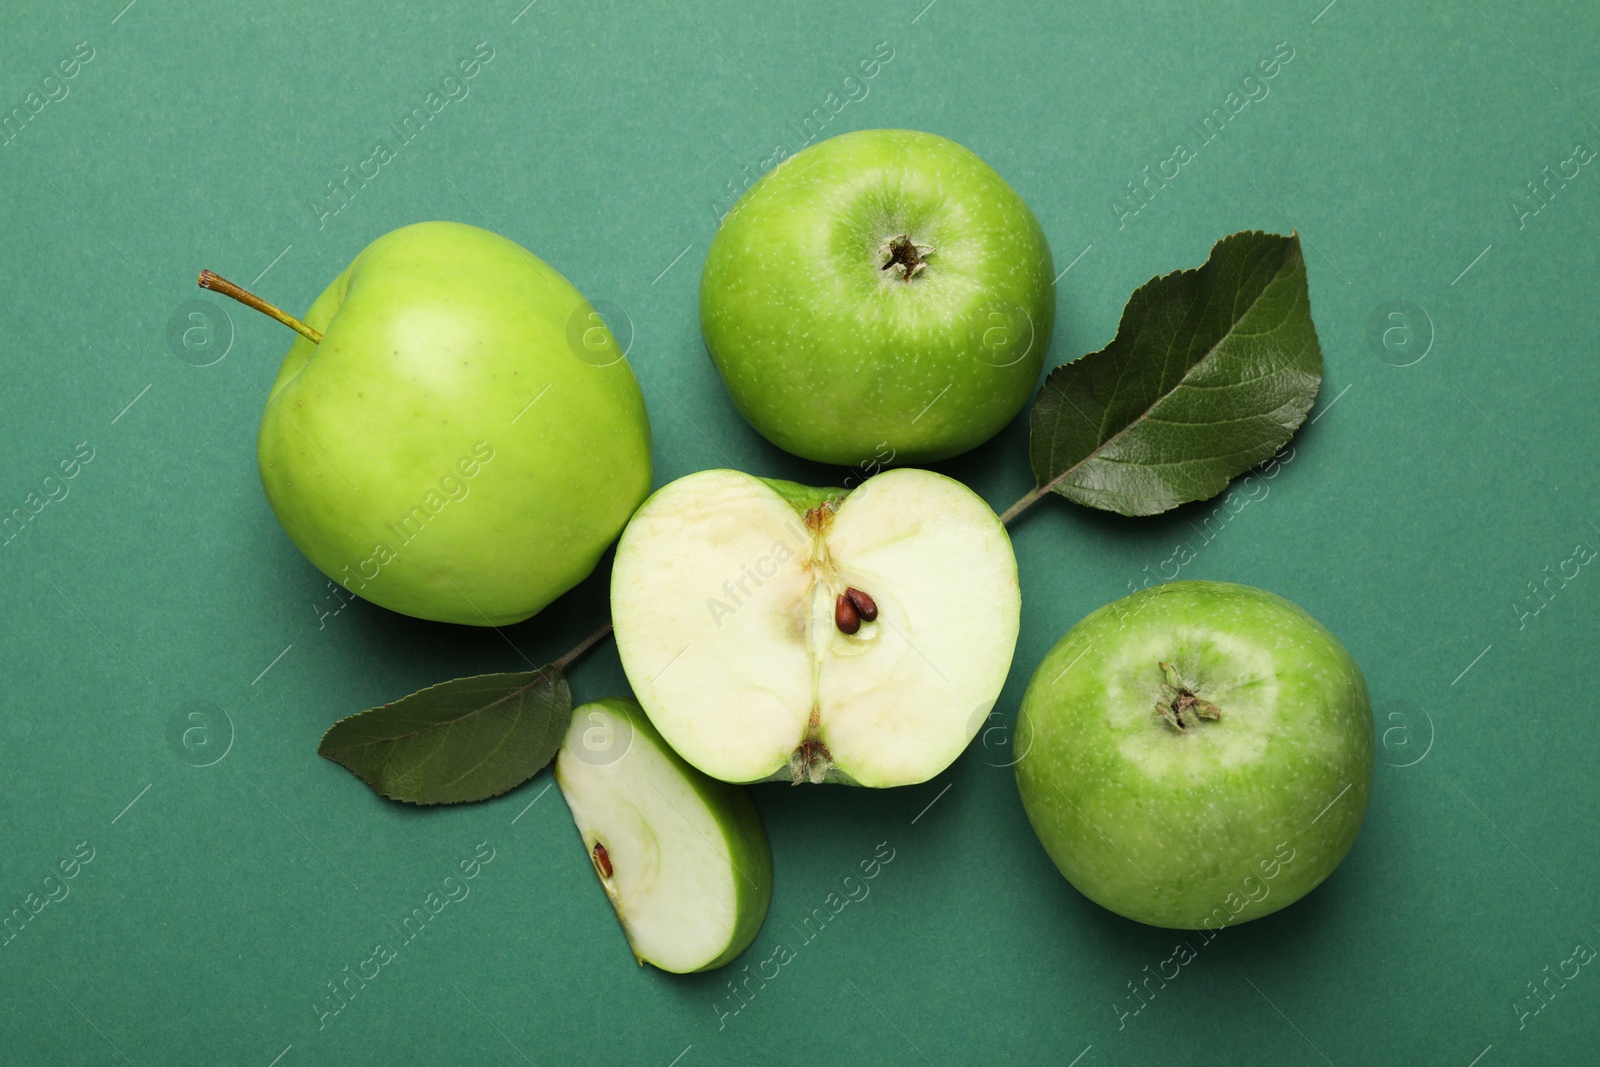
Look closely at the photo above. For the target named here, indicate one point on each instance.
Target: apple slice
(683, 858)
(778, 632)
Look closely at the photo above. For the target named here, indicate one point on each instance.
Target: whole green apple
(445, 451)
(1196, 755)
(882, 293)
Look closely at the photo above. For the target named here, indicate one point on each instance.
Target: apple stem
(218, 284)
(583, 646)
(1181, 706)
(906, 254)
(1022, 505)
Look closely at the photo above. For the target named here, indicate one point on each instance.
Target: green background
(1414, 513)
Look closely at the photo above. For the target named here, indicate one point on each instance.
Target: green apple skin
(833, 358)
(743, 839)
(1225, 820)
(444, 452)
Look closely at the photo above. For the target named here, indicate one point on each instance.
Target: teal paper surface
(187, 882)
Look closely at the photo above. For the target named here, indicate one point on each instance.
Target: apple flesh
(443, 451)
(882, 293)
(1196, 755)
(778, 632)
(682, 858)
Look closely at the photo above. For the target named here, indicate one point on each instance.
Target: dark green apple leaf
(1211, 371)
(466, 739)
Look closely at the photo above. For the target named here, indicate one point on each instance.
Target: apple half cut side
(776, 632)
(683, 858)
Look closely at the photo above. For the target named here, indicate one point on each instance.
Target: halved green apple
(779, 632)
(682, 857)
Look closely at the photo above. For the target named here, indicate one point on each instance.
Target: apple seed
(865, 606)
(845, 615)
(602, 861)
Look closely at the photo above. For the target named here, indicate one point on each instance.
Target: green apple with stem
(881, 289)
(437, 442)
(682, 858)
(1196, 755)
(778, 632)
